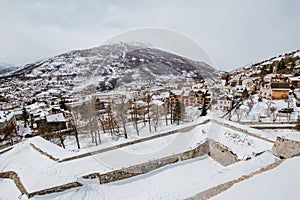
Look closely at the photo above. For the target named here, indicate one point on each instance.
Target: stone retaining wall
(218, 152)
(59, 188)
(135, 170)
(213, 191)
(14, 176)
(4, 146)
(44, 153)
(6, 150)
(273, 127)
(286, 148)
(221, 154)
(261, 123)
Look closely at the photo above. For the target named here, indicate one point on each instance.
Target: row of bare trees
(114, 116)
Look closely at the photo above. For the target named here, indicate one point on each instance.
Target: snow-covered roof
(287, 75)
(56, 118)
(156, 97)
(5, 116)
(186, 94)
(18, 112)
(141, 102)
(294, 79)
(177, 92)
(225, 97)
(269, 76)
(157, 102)
(165, 94)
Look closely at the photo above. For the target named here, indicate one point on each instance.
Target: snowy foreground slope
(279, 183)
(174, 181)
(177, 181)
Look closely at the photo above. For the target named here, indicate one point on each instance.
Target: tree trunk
(76, 136)
(123, 118)
(96, 139)
(99, 136)
(102, 124)
(136, 120)
(124, 127)
(149, 118)
(91, 130)
(166, 112)
(61, 140)
(171, 117)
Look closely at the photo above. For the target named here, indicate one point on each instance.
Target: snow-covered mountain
(116, 64)
(6, 67)
(288, 63)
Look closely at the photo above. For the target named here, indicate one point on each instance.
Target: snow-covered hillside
(6, 67)
(116, 64)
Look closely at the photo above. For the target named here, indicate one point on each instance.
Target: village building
(294, 81)
(192, 98)
(275, 90)
(57, 122)
(224, 103)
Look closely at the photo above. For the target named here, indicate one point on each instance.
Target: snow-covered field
(279, 183)
(85, 140)
(38, 172)
(9, 190)
(176, 181)
(272, 134)
(265, 111)
(241, 144)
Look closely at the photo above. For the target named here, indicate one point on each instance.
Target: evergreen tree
(62, 104)
(25, 116)
(177, 112)
(204, 109)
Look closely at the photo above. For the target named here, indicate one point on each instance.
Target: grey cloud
(233, 32)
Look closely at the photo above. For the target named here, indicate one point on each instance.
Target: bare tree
(135, 117)
(239, 113)
(89, 113)
(60, 135)
(166, 109)
(9, 132)
(148, 110)
(268, 111)
(272, 110)
(122, 114)
(156, 113)
(73, 122)
(250, 104)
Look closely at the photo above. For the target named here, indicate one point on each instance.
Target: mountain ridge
(116, 64)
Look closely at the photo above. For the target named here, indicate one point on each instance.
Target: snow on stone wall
(14, 176)
(218, 152)
(221, 154)
(286, 148)
(135, 170)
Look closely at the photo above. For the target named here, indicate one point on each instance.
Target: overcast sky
(233, 32)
